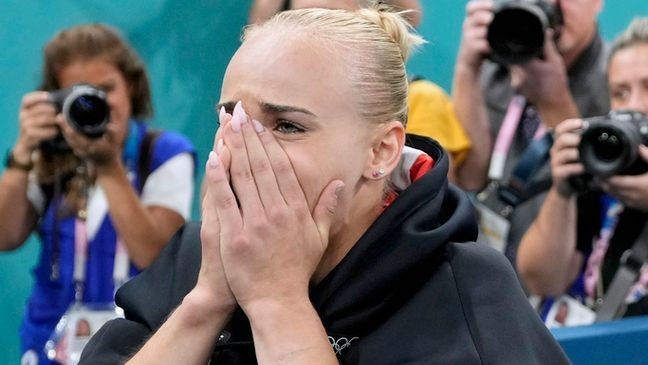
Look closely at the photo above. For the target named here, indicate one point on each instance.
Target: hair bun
(395, 25)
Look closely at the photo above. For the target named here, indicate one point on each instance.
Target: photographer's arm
(17, 215)
(468, 97)
(144, 229)
(547, 258)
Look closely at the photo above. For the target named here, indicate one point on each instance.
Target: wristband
(11, 163)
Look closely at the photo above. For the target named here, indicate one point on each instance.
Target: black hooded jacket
(406, 293)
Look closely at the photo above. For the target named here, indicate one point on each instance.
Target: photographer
(103, 205)
(506, 108)
(575, 245)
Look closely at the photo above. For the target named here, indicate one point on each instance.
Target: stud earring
(379, 173)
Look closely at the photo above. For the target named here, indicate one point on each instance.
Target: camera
(85, 107)
(610, 144)
(517, 32)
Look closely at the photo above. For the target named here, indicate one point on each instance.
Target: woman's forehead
(271, 63)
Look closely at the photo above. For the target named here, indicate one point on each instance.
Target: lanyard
(535, 155)
(506, 134)
(121, 263)
(505, 137)
(121, 266)
(612, 208)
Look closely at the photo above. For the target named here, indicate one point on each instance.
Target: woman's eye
(287, 127)
(620, 94)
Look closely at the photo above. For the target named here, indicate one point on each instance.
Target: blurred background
(186, 46)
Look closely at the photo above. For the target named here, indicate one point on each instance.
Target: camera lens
(516, 35)
(607, 147)
(88, 110)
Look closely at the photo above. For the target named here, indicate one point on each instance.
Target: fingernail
(221, 114)
(238, 117)
(213, 161)
(258, 127)
(238, 108)
(219, 147)
(338, 190)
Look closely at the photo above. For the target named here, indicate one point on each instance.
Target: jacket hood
(399, 252)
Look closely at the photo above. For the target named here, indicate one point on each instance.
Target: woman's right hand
(212, 287)
(474, 44)
(565, 160)
(37, 124)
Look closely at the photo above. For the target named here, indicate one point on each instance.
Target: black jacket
(405, 293)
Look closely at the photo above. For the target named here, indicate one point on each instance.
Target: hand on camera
(474, 45)
(632, 190)
(543, 82)
(270, 241)
(102, 151)
(37, 124)
(565, 162)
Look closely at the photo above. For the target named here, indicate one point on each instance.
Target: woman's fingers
(324, 211)
(261, 167)
(287, 182)
(240, 171)
(221, 196)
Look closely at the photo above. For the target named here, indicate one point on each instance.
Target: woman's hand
(37, 118)
(271, 243)
(212, 283)
(102, 151)
(632, 190)
(565, 162)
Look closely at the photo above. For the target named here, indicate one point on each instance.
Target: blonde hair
(378, 41)
(636, 33)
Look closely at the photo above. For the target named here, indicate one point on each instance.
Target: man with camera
(598, 202)
(522, 67)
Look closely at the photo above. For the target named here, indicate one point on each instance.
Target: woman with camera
(575, 244)
(103, 206)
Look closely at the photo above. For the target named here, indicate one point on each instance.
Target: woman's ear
(387, 148)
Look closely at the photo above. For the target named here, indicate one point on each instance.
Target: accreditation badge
(567, 311)
(493, 228)
(75, 329)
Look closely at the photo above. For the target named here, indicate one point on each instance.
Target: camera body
(517, 33)
(610, 144)
(85, 108)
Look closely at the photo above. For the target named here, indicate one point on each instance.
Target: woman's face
(298, 89)
(107, 77)
(628, 78)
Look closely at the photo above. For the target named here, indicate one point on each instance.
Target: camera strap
(520, 187)
(629, 269)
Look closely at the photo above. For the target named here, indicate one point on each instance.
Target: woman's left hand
(271, 243)
(102, 151)
(632, 190)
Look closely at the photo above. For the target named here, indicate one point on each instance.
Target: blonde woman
(323, 240)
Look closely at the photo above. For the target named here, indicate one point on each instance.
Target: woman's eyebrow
(268, 108)
(229, 105)
(276, 108)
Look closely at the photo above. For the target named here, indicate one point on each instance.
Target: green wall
(186, 46)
